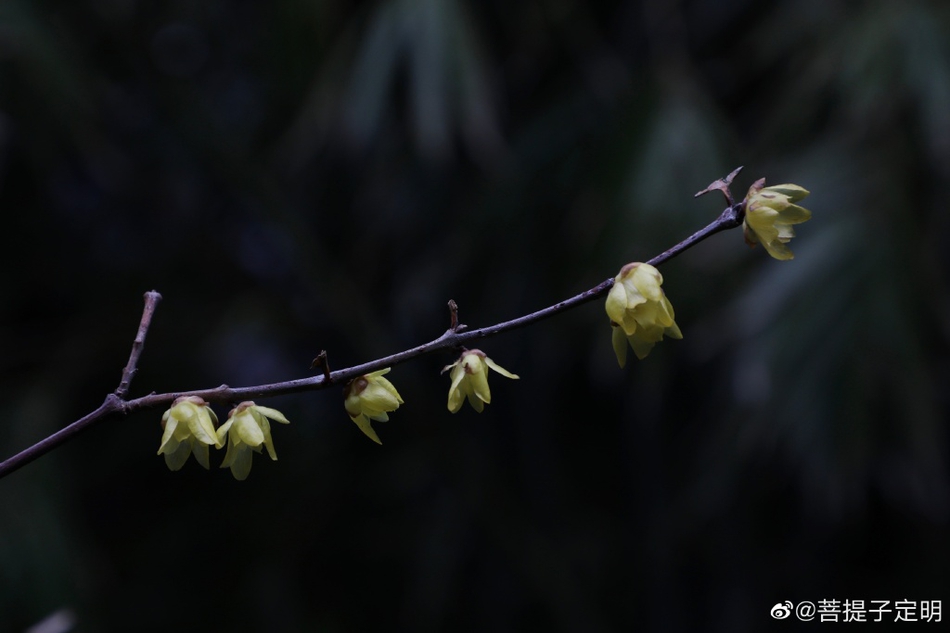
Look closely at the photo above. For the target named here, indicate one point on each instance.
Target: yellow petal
(241, 464)
(479, 383)
(167, 436)
(231, 453)
(501, 370)
(619, 341)
(199, 424)
(477, 404)
(793, 192)
(647, 280)
(273, 414)
(269, 441)
(616, 304)
(222, 432)
(455, 392)
(175, 457)
(641, 346)
(794, 214)
(778, 250)
(363, 422)
(378, 398)
(674, 331)
(388, 386)
(353, 405)
(448, 367)
(200, 451)
(248, 429)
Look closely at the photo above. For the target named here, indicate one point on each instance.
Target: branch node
(321, 362)
(722, 185)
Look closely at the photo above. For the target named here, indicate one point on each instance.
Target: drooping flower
(247, 429)
(770, 213)
(188, 429)
(639, 311)
(370, 397)
(470, 379)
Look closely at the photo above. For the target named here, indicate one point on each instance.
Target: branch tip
(722, 185)
(453, 315)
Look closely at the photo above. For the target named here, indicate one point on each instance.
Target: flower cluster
(639, 311)
(371, 397)
(640, 315)
(189, 428)
(189, 425)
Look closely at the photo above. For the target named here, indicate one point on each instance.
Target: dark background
(300, 175)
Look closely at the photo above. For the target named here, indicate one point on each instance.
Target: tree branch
(457, 334)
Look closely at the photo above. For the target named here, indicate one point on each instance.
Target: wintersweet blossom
(371, 397)
(247, 430)
(770, 213)
(188, 429)
(639, 311)
(470, 379)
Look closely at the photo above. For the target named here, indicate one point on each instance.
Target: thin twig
(454, 324)
(151, 302)
(730, 218)
(116, 404)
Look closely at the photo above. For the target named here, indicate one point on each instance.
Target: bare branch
(730, 218)
(117, 404)
(112, 405)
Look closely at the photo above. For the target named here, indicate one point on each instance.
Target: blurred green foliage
(302, 175)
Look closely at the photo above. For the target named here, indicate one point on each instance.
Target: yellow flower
(370, 397)
(247, 428)
(639, 311)
(770, 213)
(189, 428)
(470, 378)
